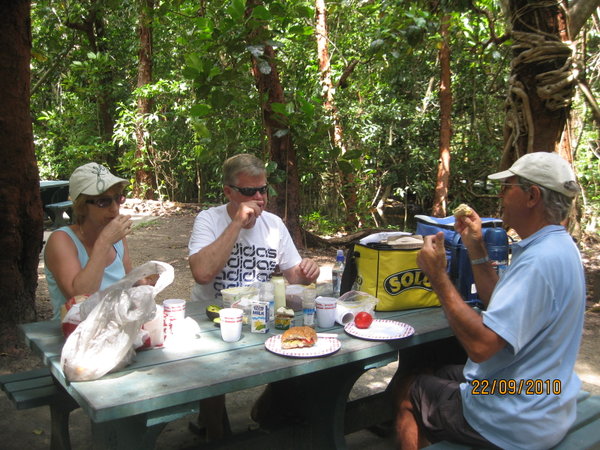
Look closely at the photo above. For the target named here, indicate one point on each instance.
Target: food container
(284, 319)
(259, 317)
(293, 296)
(240, 297)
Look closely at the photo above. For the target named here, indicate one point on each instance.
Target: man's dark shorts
(438, 408)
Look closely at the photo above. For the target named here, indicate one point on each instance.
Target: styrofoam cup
(231, 324)
(326, 307)
(173, 316)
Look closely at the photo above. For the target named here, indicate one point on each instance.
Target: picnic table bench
(29, 389)
(583, 434)
(35, 388)
(57, 211)
(54, 194)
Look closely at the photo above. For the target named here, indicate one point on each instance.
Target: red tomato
(363, 320)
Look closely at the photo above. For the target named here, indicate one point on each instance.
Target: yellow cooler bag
(391, 273)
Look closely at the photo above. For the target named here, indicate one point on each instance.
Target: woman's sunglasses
(248, 191)
(105, 202)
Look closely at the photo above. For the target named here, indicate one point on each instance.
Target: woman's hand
(116, 229)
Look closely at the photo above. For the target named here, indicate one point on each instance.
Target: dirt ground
(161, 233)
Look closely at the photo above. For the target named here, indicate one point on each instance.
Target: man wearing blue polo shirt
(518, 389)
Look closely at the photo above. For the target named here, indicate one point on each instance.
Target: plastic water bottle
(336, 273)
(309, 306)
(278, 291)
(267, 295)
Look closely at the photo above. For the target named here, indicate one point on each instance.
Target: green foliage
(205, 105)
(317, 223)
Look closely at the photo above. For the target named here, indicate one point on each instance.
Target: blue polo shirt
(524, 397)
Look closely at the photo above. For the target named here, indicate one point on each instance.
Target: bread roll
(462, 210)
(298, 337)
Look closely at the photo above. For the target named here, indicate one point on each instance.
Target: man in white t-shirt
(518, 389)
(237, 244)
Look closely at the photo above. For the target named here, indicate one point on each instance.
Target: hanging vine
(554, 87)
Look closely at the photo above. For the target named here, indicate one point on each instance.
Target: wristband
(480, 260)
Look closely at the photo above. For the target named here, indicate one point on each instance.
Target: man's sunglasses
(249, 192)
(105, 202)
(504, 186)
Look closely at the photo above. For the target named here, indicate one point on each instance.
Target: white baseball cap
(92, 179)
(549, 170)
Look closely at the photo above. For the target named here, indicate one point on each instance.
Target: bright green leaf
(237, 9)
(200, 110)
(260, 12)
(280, 108)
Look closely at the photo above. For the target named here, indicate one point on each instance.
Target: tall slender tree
(348, 189)
(144, 181)
(279, 139)
(21, 217)
(443, 173)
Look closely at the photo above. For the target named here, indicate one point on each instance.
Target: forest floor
(161, 233)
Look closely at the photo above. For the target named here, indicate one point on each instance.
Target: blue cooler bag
(459, 265)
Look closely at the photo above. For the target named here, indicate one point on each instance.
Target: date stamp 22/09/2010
(516, 387)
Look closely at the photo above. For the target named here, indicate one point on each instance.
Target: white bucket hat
(549, 170)
(92, 179)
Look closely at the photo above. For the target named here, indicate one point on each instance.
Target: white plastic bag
(112, 319)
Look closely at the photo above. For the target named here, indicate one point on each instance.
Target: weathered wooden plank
(31, 398)
(21, 376)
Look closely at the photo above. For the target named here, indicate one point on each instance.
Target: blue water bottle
(496, 242)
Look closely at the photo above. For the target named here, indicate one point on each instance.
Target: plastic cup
(231, 324)
(174, 307)
(326, 307)
(173, 316)
(343, 315)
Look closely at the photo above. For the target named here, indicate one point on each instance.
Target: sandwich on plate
(298, 337)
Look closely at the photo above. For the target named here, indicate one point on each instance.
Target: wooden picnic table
(55, 195)
(54, 191)
(130, 407)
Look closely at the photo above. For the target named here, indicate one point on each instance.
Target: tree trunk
(281, 151)
(579, 13)
(144, 181)
(443, 174)
(540, 88)
(21, 218)
(336, 133)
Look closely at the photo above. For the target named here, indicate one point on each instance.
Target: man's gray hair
(243, 163)
(556, 205)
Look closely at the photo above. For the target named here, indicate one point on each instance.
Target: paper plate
(324, 346)
(381, 330)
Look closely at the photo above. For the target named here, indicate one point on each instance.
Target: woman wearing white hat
(92, 253)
